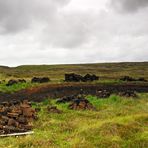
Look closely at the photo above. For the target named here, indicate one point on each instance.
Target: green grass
(16, 87)
(117, 123)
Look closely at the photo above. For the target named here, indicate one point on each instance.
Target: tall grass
(118, 122)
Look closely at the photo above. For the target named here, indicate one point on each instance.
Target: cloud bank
(63, 31)
(129, 5)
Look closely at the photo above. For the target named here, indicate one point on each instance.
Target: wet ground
(59, 90)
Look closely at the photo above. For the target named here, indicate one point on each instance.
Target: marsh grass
(108, 72)
(16, 87)
(118, 122)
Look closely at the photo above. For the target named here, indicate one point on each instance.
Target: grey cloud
(79, 29)
(45, 32)
(129, 5)
(68, 30)
(17, 15)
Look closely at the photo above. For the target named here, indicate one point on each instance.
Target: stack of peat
(76, 102)
(16, 117)
(53, 109)
(128, 79)
(40, 80)
(81, 104)
(67, 99)
(128, 93)
(103, 94)
(72, 77)
(12, 82)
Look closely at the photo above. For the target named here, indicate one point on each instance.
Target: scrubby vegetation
(117, 123)
(106, 71)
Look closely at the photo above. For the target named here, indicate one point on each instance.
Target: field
(106, 71)
(117, 122)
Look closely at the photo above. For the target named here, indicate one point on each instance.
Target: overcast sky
(73, 31)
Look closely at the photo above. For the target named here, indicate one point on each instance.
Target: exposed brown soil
(59, 90)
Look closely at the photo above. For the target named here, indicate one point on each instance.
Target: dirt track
(59, 90)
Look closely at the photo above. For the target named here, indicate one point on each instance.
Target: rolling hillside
(56, 72)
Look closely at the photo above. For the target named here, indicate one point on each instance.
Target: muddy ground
(59, 90)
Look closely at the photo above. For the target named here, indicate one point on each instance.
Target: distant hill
(56, 72)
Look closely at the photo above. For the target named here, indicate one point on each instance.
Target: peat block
(81, 104)
(66, 99)
(53, 109)
(103, 94)
(128, 94)
(12, 82)
(16, 117)
(128, 78)
(72, 77)
(77, 102)
(40, 80)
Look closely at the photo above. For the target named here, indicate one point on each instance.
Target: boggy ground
(106, 71)
(37, 93)
(118, 122)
